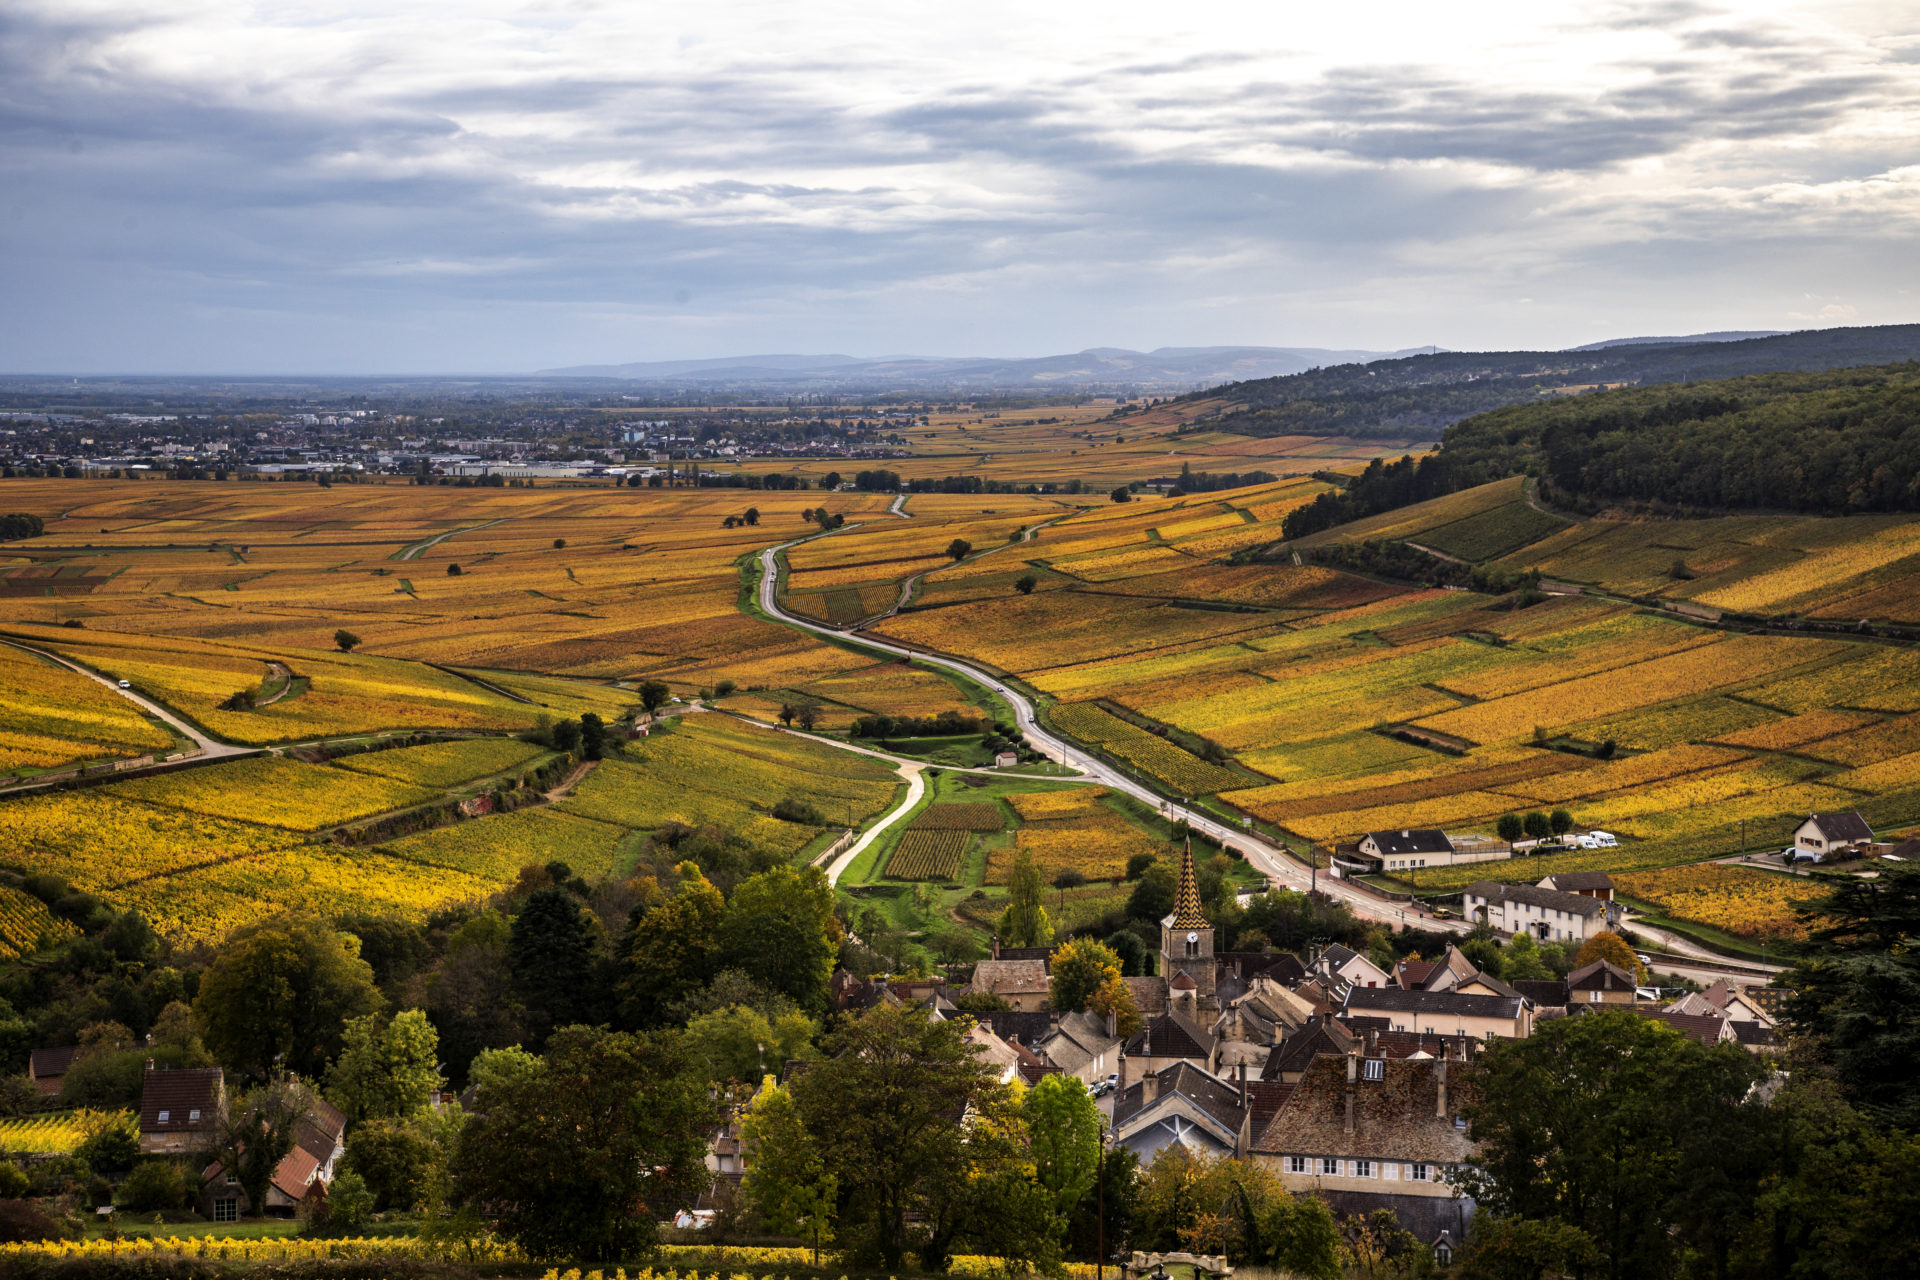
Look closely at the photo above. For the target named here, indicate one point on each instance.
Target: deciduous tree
(1024, 923)
(386, 1069)
(1077, 970)
(281, 991)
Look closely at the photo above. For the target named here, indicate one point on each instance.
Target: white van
(1603, 840)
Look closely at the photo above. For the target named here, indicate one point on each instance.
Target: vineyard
(1073, 830)
(56, 1133)
(1739, 900)
(1185, 772)
(928, 854)
(960, 817)
(26, 925)
(439, 765)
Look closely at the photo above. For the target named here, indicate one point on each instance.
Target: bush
(157, 1184)
(792, 810)
(23, 1220)
(14, 1182)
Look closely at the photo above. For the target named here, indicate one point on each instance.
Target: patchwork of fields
(1339, 702)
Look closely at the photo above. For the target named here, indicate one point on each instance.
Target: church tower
(1186, 936)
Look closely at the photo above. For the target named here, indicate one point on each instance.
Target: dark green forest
(1417, 396)
(1840, 442)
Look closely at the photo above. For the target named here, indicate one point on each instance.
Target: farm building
(1588, 884)
(1824, 835)
(1417, 849)
(1548, 914)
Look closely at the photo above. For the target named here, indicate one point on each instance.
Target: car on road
(1643, 958)
(126, 684)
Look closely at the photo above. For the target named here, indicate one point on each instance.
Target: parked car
(1643, 958)
(126, 684)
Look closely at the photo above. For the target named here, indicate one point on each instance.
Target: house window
(1443, 1254)
(233, 1180)
(164, 1115)
(193, 1117)
(1363, 1168)
(1422, 1173)
(1593, 997)
(226, 1210)
(1296, 1164)
(1329, 1167)
(1376, 1069)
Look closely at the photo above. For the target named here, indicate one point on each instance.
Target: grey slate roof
(1534, 895)
(1847, 828)
(1413, 840)
(1216, 1097)
(1601, 975)
(1171, 1035)
(1394, 1000)
(1571, 881)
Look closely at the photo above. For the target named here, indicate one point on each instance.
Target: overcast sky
(392, 186)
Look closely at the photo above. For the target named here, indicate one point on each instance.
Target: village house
(319, 1140)
(1601, 982)
(47, 1068)
(180, 1109)
(1021, 983)
(1445, 1013)
(1548, 914)
(1588, 884)
(1339, 964)
(1186, 1106)
(1407, 850)
(1371, 1133)
(1831, 837)
(1166, 1041)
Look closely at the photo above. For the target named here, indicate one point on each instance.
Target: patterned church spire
(1186, 900)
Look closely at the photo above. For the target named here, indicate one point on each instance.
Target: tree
(281, 991)
(1537, 825)
(593, 736)
(1079, 969)
(1152, 896)
(1025, 584)
(787, 1184)
(742, 1044)
(1560, 821)
(395, 1159)
(787, 712)
(672, 950)
(453, 570)
(722, 688)
(350, 1202)
(1024, 923)
(1612, 948)
(582, 1157)
(1523, 959)
(256, 1133)
(157, 1185)
(566, 736)
(553, 953)
(1604, 1123)
(1064, 1124)
(1857, 988)
(780, 929)
(1520, 1249)
(386, 1069)
(807, 714)
(752, 516)
(1121, 494)
(958, 549)
(1511, 828)
(345, 641)
(559, 544)
(654, 695)
(882, 1110)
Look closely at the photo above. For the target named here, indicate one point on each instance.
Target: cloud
(405, 186)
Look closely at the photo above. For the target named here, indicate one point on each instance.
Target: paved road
(209, 748)
(1261, 855)
(413, 552)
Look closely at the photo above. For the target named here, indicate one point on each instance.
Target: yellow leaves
(275, 791)
(1154, 755)
(25, 926)
(1736, 900)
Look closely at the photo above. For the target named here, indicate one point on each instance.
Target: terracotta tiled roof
(1706, 1028)
(1394, 1117)
(1186, 899)
(1182, 981)
(1267, 1097)
(1414, 972)
(294, 1174)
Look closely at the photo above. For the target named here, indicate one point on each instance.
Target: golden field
(1163, 608)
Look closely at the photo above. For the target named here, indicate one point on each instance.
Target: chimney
(1353, 1065)
(1113, 1025)
(1243, 1085)
(1440, 1102)
(1373, 1042)
(149, 1064)
(1149, 1087)
(996, 946)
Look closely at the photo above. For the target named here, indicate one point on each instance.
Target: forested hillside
(1396, 398)
(1840, 442)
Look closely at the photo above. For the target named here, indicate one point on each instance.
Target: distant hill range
(1166, 370)
(1418, 396)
